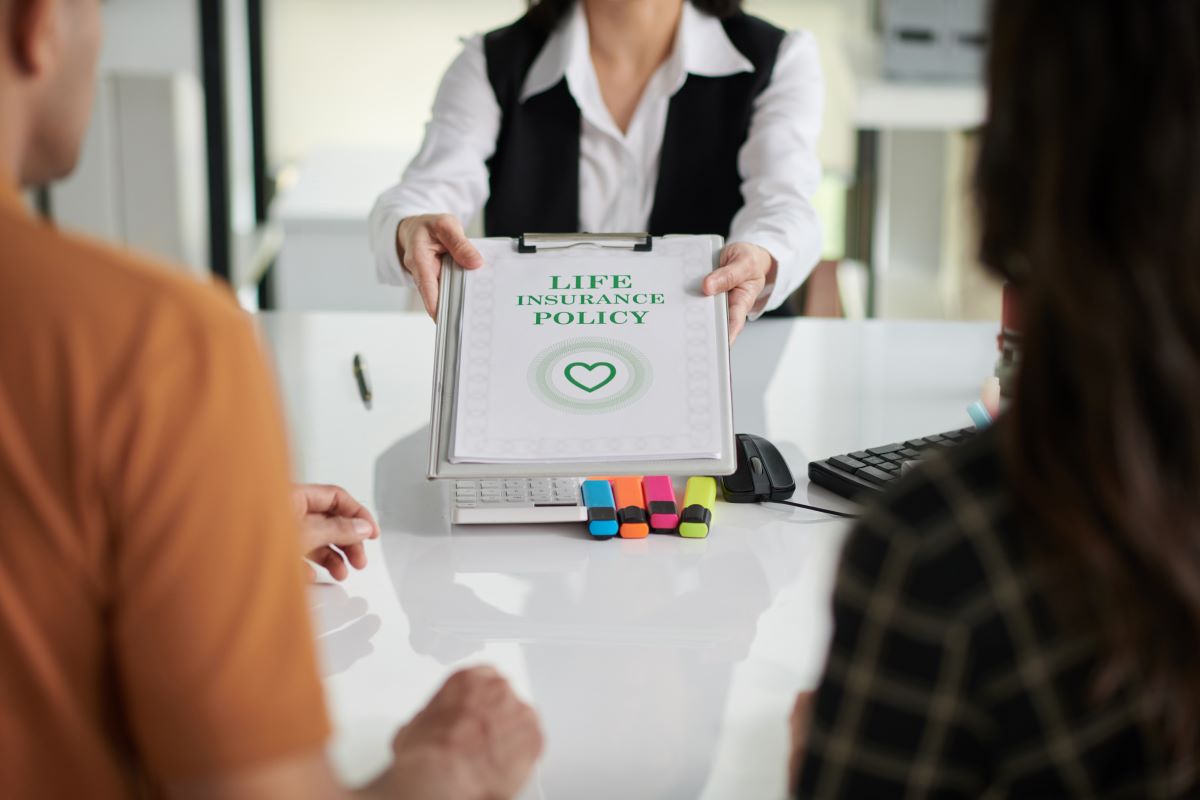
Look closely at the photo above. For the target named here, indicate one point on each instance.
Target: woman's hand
(745, 271)
(422, 241)
(991, 397)
(333, 527)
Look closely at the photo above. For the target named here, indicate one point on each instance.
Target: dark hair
(549, 13)
(1088, 184)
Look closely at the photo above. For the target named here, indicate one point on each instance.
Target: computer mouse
(762, 474)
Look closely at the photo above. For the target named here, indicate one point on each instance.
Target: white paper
(589, 355)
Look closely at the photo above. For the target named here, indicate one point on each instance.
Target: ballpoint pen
(363, 380)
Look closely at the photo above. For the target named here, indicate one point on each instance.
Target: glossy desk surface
(663, 668)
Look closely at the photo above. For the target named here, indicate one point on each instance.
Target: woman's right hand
(422, 241)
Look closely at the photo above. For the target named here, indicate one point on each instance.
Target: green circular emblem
(590, 376)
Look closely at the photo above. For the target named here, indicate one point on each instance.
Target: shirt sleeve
(213, 647)
(893, 715)
(780, 169)
(449, 174)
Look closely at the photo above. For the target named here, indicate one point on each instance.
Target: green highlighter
(698, 502)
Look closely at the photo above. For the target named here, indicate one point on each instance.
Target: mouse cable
(815, 508)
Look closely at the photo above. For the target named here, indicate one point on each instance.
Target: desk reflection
(630, 646)
(344, 627)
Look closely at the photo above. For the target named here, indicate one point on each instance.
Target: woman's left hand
(333, 527)
(745, 271)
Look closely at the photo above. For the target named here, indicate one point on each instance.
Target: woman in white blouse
(665, 116)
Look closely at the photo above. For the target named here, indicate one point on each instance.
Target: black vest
(535, 169)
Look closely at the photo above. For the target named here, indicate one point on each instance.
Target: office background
(282, 119)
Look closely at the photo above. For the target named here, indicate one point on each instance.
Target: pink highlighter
(660, 502)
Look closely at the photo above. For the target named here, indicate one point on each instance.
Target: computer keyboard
(874, 469)
(516, 501)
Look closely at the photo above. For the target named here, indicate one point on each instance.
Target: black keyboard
(874, 469)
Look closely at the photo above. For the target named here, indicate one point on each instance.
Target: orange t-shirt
(153, 623)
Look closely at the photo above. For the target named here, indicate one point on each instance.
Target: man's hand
(475, 740)
(745, 271)
(333, 528)
(801, 716)
(422, 241)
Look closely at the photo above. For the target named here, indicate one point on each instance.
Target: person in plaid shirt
(1020, 617)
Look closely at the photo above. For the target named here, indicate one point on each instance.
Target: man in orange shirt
(154, 636)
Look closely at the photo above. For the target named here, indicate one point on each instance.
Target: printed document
(589, 354)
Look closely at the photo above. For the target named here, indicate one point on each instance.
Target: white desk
(662, 668)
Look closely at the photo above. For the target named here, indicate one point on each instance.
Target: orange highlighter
(631, 508)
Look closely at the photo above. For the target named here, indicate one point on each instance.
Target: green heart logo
(591, 382)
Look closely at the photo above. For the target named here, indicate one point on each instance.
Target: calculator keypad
(517, 493)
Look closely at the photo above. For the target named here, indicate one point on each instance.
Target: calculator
(518, 501)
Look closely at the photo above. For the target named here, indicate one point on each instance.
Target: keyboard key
(847, 463)
(916, 444)
(953, 436)
(883, 451)
(895, 458)
(909, 453)
(861, 455)
(891, 466)
(873, 461)
(877, 476)
(934, 439)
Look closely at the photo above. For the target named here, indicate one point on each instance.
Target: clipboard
(446, 373)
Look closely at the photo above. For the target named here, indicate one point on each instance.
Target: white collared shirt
(618, 173)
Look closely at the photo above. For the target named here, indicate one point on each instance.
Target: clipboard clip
(529, 243)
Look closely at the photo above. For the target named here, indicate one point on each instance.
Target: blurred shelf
(335, 188)
(881, 103)
(325, 261)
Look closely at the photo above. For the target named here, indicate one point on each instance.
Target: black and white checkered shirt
(948, 675)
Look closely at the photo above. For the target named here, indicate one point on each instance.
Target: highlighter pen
(979, 415)
(602, 509)
(660, 502)
(698, 502)
(363, 380)
(632, 505)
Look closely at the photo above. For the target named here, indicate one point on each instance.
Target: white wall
(151, 36)
(141, 37)
(362, 72)
(161, 39)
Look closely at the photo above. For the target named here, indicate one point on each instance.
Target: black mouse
(762, 474)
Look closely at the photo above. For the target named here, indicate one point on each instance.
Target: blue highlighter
(602, 509)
